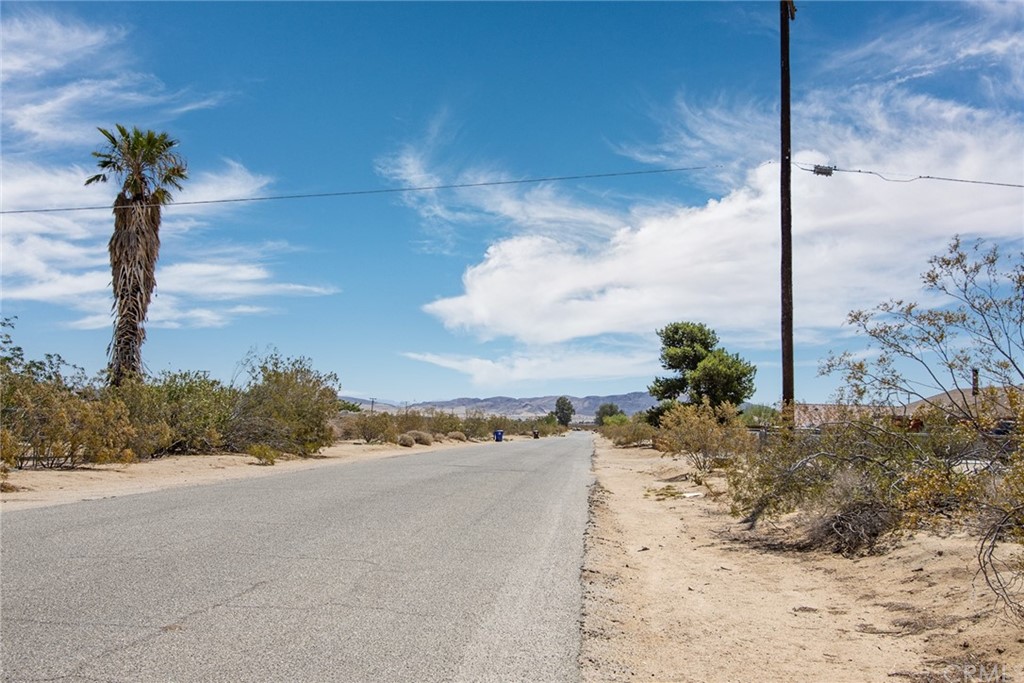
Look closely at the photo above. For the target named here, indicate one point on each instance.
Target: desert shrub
(198, 410)
(635, 432)
(376, 427)
(148, 414)
(760, 416)
(439, 438)
(176, 412)
(286, 405)
(457, 436)
(442, 423)
(58, 428)
(407, 440)
(858, 478)
(50, 415)
(410, 421)
(502, 422)
(617, 419)
(708, 435)
(475, 425)
(263, 453)
(422, 438)
(850, 516)
(345, 426)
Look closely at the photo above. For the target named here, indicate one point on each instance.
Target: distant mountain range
(586, 406)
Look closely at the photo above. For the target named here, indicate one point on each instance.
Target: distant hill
(538, 406)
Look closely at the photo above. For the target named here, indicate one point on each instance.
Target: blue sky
(531, 289)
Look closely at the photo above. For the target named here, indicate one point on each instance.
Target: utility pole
(787, 12)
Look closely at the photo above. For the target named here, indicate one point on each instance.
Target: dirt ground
(675, 591)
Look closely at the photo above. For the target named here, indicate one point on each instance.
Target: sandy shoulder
(670, 594)
(40, 488)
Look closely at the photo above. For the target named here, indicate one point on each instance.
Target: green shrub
(376, 427)
(708, 435)
(198, 410)
(443, 423)
(148, 414)
(860, 476)
(409, 421)
(265, 454)
(51, 416)
(635, 432)
(475, 425)
(286, 405)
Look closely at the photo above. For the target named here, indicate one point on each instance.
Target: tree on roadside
(703, 369)
(147, 167)
(954, 455)
(564, 411)
(926, 352)
(604, 411)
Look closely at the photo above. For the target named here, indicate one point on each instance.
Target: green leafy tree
(703, 369)
(564, 411)
(604, 411)
(147, 167)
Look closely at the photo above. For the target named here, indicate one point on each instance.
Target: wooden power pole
(787, 12)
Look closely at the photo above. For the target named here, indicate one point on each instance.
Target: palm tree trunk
(134, 248)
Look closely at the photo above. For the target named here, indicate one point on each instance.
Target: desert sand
(674, 589)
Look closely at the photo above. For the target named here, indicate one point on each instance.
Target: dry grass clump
(457, 436)
(422, 438)
(854, 528)
(406, 440)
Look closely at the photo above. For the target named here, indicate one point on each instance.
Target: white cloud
(546, 364)
(570, 271)
(63, 77)
(989, 45)
(36, 44)
(705, 136)
(212, 281)
(60, 76)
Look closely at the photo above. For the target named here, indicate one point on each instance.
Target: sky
(515, 289)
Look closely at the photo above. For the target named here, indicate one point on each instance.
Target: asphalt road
(453, 565)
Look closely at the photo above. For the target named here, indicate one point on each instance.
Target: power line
(829, 170)
(816, 169)
(390, 190)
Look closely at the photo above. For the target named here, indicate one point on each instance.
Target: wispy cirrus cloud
(859, 238)
(37, 43)
(63, 77)
(545, 363)
(990, 45)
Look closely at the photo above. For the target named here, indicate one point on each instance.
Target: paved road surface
(453, 565)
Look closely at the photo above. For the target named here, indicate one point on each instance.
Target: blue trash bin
(499, 435)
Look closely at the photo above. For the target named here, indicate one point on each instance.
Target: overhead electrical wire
(388, 190)
(818, 169)
(815, 168)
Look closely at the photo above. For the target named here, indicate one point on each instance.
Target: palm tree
(146, 166)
